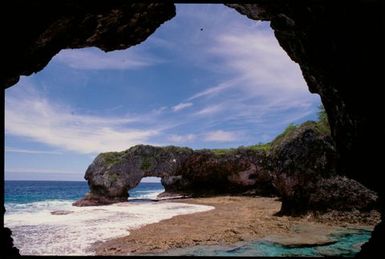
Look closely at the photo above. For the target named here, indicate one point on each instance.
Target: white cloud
(182, 138)
(221, 136)
(181, 106)
(38, 119)
(30, 151)
(96, 59)
(212, 109)
(212, 90)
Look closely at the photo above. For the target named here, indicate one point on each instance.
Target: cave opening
(200, 91)
(182, 105)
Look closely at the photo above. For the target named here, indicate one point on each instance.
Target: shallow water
(347, 244)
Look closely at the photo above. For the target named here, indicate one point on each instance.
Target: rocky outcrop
(208, 173)
(300, 167)
(35, 31)
(182, 171)
(338, 56)
(112, 174)
(337, 44)
(339, 48)
(7, 247)
(304, 164)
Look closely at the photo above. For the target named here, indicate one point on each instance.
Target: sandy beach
(234, 219)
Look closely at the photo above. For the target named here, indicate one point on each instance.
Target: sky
(208, 78)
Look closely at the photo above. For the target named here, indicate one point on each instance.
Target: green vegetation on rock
(111, 158)
(322, 126)
(260, 146)
(146, 163)
(223, 151)
(323, 122)
(286, 133)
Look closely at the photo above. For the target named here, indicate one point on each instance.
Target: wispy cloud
(209, 110)
(36, 118)
(213, 90)
(182, 138)
(31, 151)
(221, 136)
(181, 106)
(95, 59)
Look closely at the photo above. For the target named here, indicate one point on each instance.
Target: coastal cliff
(299, 166)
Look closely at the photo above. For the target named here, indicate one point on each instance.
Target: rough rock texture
(338, 55)
(337, 44)
(112, 174)
(206, 173)
(304, 165)
(182, 170)
(299, 167)
(35, 31)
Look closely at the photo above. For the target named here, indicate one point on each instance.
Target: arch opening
(148, 188)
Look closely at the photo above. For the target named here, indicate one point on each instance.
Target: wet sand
(234, 219)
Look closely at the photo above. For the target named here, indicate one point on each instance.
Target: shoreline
(235, 219)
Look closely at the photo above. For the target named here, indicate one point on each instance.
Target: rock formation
(182, 171)
(37, 30)
(337, 44)
(112, 174)
(7, 247)
(299, 167)
(304, 174)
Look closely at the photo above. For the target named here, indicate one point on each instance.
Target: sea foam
(37, 232)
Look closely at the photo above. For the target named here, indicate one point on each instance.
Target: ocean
(38, 232)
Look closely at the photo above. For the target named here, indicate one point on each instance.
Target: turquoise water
(347, 244)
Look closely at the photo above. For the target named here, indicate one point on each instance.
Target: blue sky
(227, 85)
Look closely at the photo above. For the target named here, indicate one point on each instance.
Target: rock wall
(34, 31)
(340, 53)
(304, 174)
(337, 44)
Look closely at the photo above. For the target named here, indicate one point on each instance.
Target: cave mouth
(79, 102)
(147, 189)
(289, 24)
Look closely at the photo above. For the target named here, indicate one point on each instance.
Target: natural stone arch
(336, 45)
(183, 171)
(113, 174)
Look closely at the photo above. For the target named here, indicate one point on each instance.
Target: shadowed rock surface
(304, 173)
(338, 46)
(7, 247)
(37, 30)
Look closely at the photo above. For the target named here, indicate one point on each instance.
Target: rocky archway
(336, 45)
(183, 171)
(113, 174)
